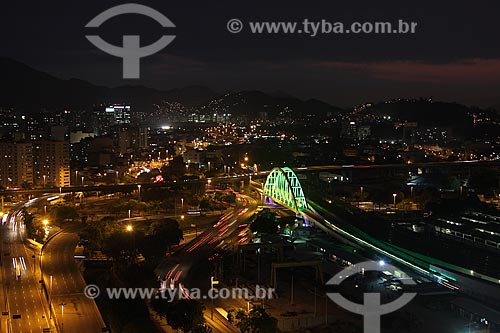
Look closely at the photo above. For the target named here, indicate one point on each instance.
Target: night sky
(454, 56)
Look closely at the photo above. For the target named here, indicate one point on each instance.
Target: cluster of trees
(59, 213)
(487, 182)
(157, 200)
(384, 195)
(257, 320)
(34, 227)
(163, 234)
(207, 203)
(267, 222)
(111, 236)
(217, 200)
(182, 314)
(62, 212)
(95, 233)
(133, 205)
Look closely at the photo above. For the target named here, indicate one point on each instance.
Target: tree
(405, 204)
(145, 177)
(484, 181)
(97, 232)
(165, 234)
(228, 197)
(185, 314)
(34, 227)
(116, 244)
(63, 212)
(450, 183)
(205, 203)
(427, 196)
(265, 222)
(257, 320)
(378, 196)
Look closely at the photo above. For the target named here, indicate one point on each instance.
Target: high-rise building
(108, 118)
(120, 114)
(128, 140)
(51, 163)
(141, 137)
(16, 164)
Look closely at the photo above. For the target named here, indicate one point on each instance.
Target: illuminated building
(119, 114)
(16, 164)
(51, 163)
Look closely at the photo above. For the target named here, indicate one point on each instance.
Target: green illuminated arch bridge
(283, 186)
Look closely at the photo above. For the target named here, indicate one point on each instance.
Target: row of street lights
(45, 223)
(394, 195)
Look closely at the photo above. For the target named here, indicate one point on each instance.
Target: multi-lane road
(24, 299)
(181, 271)
(73, 311)
(24, 308)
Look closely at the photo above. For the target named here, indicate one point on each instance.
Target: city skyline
(250, 167)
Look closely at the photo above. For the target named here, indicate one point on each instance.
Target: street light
(182, 203)
(44, 179)
(130, 229)
(139, 187)
(50, 296)
(394, 196)
(62, 316)
(361, 196)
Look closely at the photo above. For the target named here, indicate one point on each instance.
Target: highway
(80, 314)
(239, 177)
(400, 165)
(23, 298)
(380, 248)
(179, 271)
(21, 289)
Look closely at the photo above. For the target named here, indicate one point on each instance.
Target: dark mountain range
(424, 112)
(26, 88)
(31, 90)
(258, 104)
